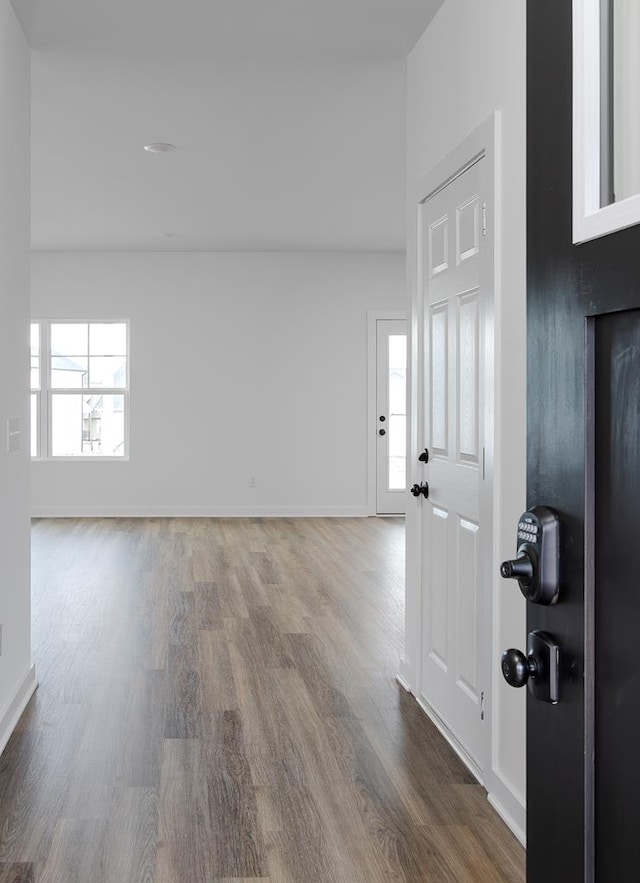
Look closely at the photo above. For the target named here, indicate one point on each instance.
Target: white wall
(16, 674)
(241, 365)
(469, 63)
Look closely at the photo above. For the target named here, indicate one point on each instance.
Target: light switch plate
(13, 434)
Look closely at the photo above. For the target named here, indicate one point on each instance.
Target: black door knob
(520, 568)
(518, 668)
(418, 489)
(424, 456)
(382, 418)
(539, 669)
(382, 432)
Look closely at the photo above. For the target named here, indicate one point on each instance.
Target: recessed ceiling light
(159, 147)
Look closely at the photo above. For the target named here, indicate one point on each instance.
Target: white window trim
(37, 392)
(46, 392)
(590, 220)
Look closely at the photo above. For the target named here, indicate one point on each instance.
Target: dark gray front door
(583, 762)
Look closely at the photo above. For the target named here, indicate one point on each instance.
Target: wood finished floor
(217, 703)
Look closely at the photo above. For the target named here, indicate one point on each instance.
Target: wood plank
(311, 661)
(92, 783)
(274, 649)
(236, 848)
(77, 852)
(21, 873)
(183, 711)
(218, 689)
(208, 613)
(185, 830)
(140, 757)
(131, 836)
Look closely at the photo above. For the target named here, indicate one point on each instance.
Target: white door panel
(454, 536)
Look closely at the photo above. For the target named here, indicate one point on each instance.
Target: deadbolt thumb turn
(423, 489)
(537, 562)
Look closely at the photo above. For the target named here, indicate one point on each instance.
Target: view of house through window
(79, 394)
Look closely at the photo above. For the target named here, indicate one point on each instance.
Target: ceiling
(288, 121)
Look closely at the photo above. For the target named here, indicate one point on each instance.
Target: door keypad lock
(536, 566)
(538, 669)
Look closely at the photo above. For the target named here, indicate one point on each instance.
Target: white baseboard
(509, 808)
(199, 512)
(12, 715)
(405, 675)
(404, 684)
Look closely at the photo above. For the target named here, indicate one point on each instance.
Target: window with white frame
(79, 389)
(606, 128)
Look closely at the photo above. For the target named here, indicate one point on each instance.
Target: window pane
(397, 373)
(69, 372)
(34, 424)
(66, 425)
(69, 339)
(624, 97)
(87, 425)
(108, 339)
(397, 410)
(108, 371)
(397, 452)
(35, 355)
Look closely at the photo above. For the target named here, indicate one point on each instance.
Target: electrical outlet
(252, 481)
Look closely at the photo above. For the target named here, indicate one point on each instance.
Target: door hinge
(484, 218)
(482, 706)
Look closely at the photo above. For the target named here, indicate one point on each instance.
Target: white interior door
(455, 529)
(391, 416)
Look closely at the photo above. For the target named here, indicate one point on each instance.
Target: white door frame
(484, 141)
(373, 316)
